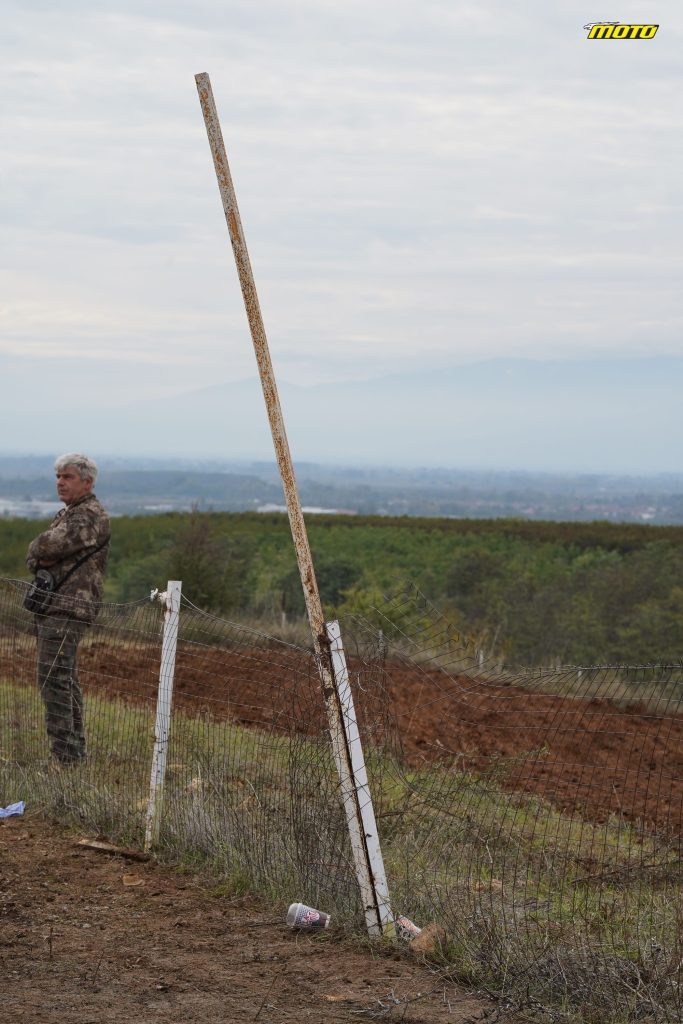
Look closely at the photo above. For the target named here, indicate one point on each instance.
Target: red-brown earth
(90, 938)
(594, 757)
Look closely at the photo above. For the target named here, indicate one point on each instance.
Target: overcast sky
(421, 184)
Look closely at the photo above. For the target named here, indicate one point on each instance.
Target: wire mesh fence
(536, 816)
(117, 724)
(539, 817)
(250, 783)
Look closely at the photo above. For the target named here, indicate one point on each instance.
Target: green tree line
(531, 593)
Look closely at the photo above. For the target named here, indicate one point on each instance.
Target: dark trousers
(58, 640)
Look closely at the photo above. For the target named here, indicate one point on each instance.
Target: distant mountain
(613, 416)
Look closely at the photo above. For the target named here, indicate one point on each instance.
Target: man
(74, 550)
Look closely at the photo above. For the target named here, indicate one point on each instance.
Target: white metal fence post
(360, 814)
(162, 727)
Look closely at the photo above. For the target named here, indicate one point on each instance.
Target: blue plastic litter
(12, 809)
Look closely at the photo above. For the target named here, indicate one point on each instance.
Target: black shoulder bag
(40, 592)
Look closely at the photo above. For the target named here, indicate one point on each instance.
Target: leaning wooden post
(377, 912)
(162, 730)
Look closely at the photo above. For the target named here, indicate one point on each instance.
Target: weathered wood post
(369, 866)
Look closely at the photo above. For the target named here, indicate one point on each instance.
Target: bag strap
(80, 562)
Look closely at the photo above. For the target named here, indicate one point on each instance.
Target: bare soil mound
(591, 757)
(587, 756)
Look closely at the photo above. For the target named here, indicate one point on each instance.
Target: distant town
(149, 487)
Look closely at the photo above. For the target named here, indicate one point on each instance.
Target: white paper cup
(301, 916)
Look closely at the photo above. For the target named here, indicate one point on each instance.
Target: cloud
(418, 183)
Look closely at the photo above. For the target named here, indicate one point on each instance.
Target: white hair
(86, 467)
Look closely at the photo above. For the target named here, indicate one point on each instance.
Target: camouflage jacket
(75, 530)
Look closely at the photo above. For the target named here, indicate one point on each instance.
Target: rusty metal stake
(379, 909)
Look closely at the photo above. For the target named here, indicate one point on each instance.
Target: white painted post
(360, 814)
(162, 727)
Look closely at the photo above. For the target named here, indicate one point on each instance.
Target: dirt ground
(92, 938)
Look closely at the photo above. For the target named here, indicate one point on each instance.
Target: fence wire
(536, 816)
(251, 784)
(539, 816)
(108, 788)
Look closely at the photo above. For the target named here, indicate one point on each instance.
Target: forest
(529, 593)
